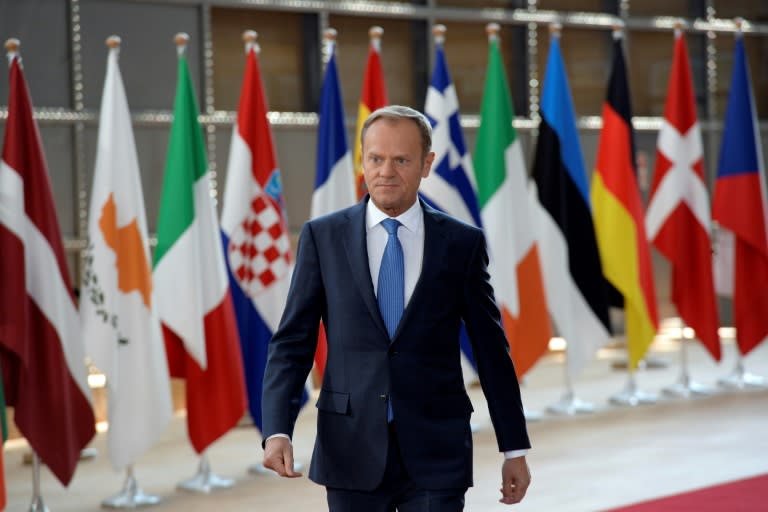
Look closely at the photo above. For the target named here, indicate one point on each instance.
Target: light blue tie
(391, 288)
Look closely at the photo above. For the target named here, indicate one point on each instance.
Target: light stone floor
(614, 456)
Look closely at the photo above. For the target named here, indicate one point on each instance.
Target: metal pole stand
(685, 387)
(131, 496)
(259, 469)
(204, 480)
(631, 396)
(742, 379)
(570, 404)
(37, 504)
(532, 415)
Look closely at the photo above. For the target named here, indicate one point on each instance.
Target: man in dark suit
(392, 279)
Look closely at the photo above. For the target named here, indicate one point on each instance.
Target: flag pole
(685, 386)
(569, 404)
(12, 51)
(204, 481)
(740, 378)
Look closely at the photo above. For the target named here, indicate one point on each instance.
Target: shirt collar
(412, 218)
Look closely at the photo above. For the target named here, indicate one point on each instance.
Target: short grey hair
(396, 113)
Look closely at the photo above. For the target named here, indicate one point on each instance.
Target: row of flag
(203, 308)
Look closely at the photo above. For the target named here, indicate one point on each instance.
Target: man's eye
(402, 161)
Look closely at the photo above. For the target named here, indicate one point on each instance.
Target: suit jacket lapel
(356, 247)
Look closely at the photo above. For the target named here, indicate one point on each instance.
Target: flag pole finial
(375, 33)
(329, 43)
(739, 24)
(250, 38)
(113, 42)
(618, 29)
(181, 39)
(492, 30)
(330, 34)
(438, 31)
(678, 26)
(555, 28)
(12, 48)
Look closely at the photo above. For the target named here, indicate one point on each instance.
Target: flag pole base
(205, 481)
(631, 396)
(532, 416)
(37, 505)
(742, 379)
(570, 405)
(132, 496)
(259, 469)
(685, 387)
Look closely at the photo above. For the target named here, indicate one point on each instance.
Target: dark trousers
(397, 491)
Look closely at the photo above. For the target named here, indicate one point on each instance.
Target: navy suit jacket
(419, 370)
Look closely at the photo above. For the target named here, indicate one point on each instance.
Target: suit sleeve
(491, 351)
(292, 347)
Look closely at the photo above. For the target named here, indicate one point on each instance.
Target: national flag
(372, 97)
(335, 178)
(678, 217)
(573, 276)
(118, 312)
(193, 296)
(618, 214)
(255, 230)
(4, 437)
(502, 188)
(450, 186)
(739, 206)
(41, 351)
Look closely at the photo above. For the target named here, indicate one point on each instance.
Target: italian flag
(193, 296)
(503, 198)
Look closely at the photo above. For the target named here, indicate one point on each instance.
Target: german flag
(618, 214)
(372, 97)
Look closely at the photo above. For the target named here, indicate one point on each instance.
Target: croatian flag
(255, 231)
(739, 206)
(449, 187)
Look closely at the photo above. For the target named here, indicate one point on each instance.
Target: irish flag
(503, 198)
(193, 296)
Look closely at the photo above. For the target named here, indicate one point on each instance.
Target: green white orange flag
(618, 214)
(372, 97)
(192, 287)
(503, 198)
(118, 310)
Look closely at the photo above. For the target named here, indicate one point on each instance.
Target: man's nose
(387, 168)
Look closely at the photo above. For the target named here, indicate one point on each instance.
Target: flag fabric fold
(200, 331)
(573, 276)
(618, 214)
(41, 351)
(740, 208)
(255, 231)
(450, 186)
(372, 97)
(678, 217)
(503, 199)
(334, 177)
(118, 314)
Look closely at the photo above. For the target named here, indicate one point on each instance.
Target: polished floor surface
(616, 455)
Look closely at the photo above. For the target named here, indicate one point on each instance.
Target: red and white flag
(41, 351)
(678, 217)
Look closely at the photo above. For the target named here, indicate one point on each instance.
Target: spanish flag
(373, 96)
(618, 214)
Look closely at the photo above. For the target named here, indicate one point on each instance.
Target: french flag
(739, 206)
(335, 177)
(255, 231)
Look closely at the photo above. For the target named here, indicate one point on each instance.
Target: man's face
(393, 164)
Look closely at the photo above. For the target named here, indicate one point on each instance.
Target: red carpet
(748, 495)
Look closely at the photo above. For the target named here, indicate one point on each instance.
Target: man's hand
(278, 456)
(515, 478)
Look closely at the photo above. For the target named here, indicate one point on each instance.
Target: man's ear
(428, 164)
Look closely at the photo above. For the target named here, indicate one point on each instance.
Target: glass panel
(576, 5)
(148, 54)
(751, 10)
(756, 48)
(495, 4)
(281, 59)
(650, 61)
(396, 57)
(466, 51)
(587, 57)
(46, 59)
(682, 8)
(57, 148)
